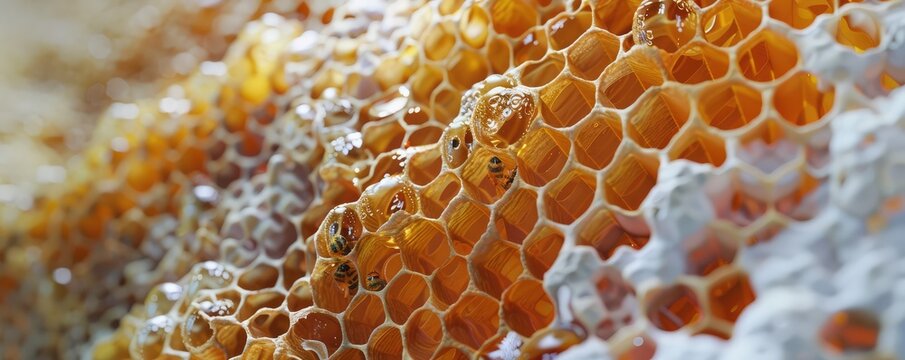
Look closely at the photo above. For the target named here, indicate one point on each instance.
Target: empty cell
(424, 245)
(697, 62)
(565, 101)
(295, 265)
(257, 301)
(730, 295)
(630, 180)
(597, 139)
(466, 221)
(473, 319)
(729, 105)
(404, 294)
(526, 307)
(799, 14)
(542, 156)
(541, 249)
(766, 56)
(591, 53)
(496, 264)
(568, 197)
(423, 333)
(513, 17)
(268, 324)
(436, 195)
(658, 117)
(365, 314)
(515, 217)
(348, 353)
(850, 331)
(801, 101)
(300, 296)
(624, 81)
(316, 326)
(449, 282)
(425, 135)
(701, 147)
(729, 22)
(385, 344)
(604, 232)
(673, 307)
(259, 277)
(565, 28)
(540, 73)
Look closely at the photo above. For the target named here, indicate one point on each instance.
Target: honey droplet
(666, 24)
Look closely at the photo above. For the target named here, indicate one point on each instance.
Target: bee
(374, 282)
(347, 277)
(497, 169)
(339, 244)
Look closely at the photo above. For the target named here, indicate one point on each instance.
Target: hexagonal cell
(565, 28)
(542, 156)
(541, 250)
(591, 53)
(449, 283)
(385, 344)
(673, 307)
(701, 147)
(424, 166)
(151, 338)
(728, 22)
(502, 115)
(376, 253)
(549, 342)
(697, 62)
(631, 178)
(499, 53)
(850, 331)
(425, 135)
(404, 294)
(730, 295)
(382, 136)
(568, 197)
(423, 245)
(468, 67)
(436, 195)
(423, 333)
(802, 198)
(299, 297)
(450, 353)
(473, 319)
(348, 354)
(383, 199)
(659, 116)
(365, 314)
(424, 81)
(800, 101)
(515, 217)
(488, 174)
(473, 26)
(665, 24)
(729, 105)
(438, 40)
(597, 139)
(532, 46)
(615, 16)
(259, 349)
(320, 327)
(257, 301)
(415, 115)
(543, 71)
(604, 231)
(799, 14)
(706, 252)
(496, 264)
(739, 206)
(624, 81)
(445, 103)
(295, 266)
(526, 307)
(339, 232)
(466, 221)
(513, 17)
(333, 284)
(268, 324)
(261, 276)
(456, 145)
(566, 100)
(766, 56)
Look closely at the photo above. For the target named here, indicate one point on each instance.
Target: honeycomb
(503, 179)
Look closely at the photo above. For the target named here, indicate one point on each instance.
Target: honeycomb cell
(487, 175)
(597, 139)
(320, 327)
(365, 314)
(850, 331)
(565, 28)
(701, 147)
(532, 46)
(729, 105)
(340, 232)
(566, 100)
(499, 53)
(423, 333)
(513, 17)
(294, 267)
(259, 277)
(162, 298)
(450, 282)
(423, 245)
(333, 284)
(503, 115)
(624, 81)
(404, 294)
(591, 53)
(346, 354)
(801, 101)
(473, 319)
(424, 166)
(468, 67)
(706, 252)
(438, 40)
(259, 349)
(385, 344)
(615, 16)
(665, 24)
(268, 324)
(446, 101)
(696, 63)
(540, 73)
(799, 14)
(424, 81)
(569, 196)
(376, 253)
(257, 301)
(516, 216)
(473, 26)
(729, 22)
(438, 193)
(450, 353)
(672, 308)
(151, 337)
(730, 295)
(796, 204)
(526, 307)
(549, 342)
(385, 198)
(456, 145)
(380, 137)
(604, 232)
(542, 156)
(627, 184)
(300, 296)
(466, 221)
(416, 115)
(426, 135)
(496, 264)
(658, 117)
(766, 56)
(541, 249)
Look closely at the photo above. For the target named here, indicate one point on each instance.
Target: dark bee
(497, 169)
(374, 282)
(339, 245)
(346, 275)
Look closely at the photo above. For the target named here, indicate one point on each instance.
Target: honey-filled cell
(591, 53)
(630, 180)
(473, 319)
(566, 100)
(526, 307)
(673, 307)
(564, 29)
